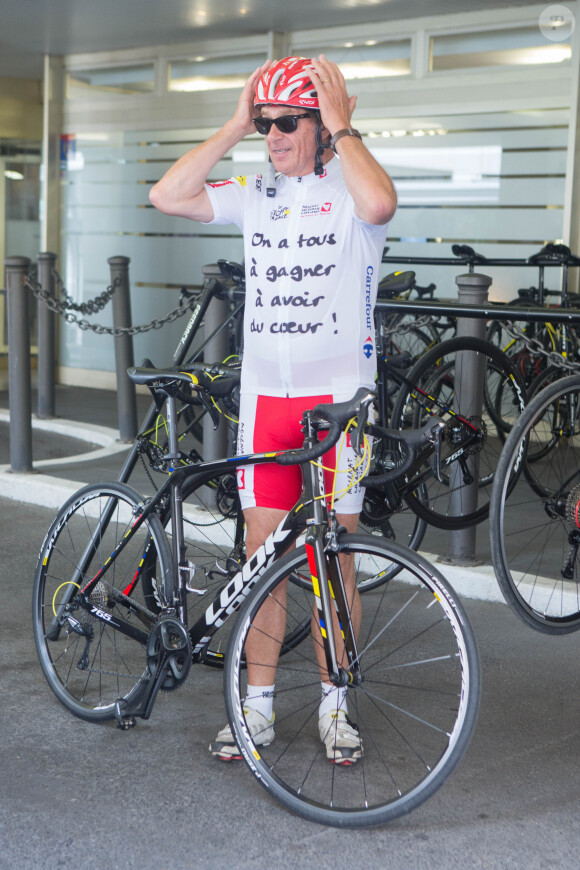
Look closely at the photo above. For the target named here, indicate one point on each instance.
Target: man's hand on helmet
(245, 112)
(336, 107)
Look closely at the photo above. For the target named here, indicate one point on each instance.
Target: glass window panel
(111, 81)
(513, 47)
(366, 60)
(212, 73)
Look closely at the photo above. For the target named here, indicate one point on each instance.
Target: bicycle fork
(330, 593)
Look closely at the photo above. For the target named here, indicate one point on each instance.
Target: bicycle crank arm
(169, 656)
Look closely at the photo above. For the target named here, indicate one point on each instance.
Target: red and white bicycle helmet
(287, 83)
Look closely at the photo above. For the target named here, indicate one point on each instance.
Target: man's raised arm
(181, 191)
(373, 192)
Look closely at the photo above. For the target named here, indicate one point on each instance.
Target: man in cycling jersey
(314, 228)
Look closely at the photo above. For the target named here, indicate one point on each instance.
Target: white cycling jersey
(311, 281)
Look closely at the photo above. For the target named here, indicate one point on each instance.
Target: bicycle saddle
(233, 271)
(163, 379)
(554, 253)
(466, 252)
(395, 284)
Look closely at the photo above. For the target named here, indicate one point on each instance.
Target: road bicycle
(110, 636)
(474, 388)
(532, 345)
(407, 332)
(535, 529)
(224, 281)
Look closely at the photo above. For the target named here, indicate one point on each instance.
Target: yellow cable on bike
(66, 583)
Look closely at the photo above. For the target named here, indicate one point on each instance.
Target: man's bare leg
(269, 625)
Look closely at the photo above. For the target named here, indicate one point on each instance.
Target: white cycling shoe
(341, 738)
(261, 729)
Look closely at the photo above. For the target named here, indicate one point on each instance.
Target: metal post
(19, 383)
(215, 443)
(126, 396)
(469, 385)
(46, 339)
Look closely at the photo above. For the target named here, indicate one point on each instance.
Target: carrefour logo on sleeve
(368, 347)
(368, 296)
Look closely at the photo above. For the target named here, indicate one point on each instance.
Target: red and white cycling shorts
(269, 423)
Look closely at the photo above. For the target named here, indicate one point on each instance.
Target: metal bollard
(126, 395)
(46, 339)
(469, 384)
(215, 443)
(19, 382)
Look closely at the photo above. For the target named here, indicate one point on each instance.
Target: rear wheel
(473, 387)
(88, 663)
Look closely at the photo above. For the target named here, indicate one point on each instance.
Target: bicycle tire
(450, 503)
(539, 450)
(532, 534)
(416, 706)
(90, 672)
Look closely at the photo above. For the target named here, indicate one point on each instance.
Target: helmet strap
(320, 147)
(270, 178)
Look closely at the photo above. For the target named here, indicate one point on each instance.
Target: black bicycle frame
(210, 289)
(309, 511)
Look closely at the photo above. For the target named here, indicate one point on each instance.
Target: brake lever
(210, 408)
(357, 437)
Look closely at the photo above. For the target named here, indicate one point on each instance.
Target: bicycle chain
(536, 347)
(63, 309)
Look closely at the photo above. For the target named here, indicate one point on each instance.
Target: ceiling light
(13, 175)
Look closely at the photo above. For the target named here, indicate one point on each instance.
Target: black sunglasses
(286, 124)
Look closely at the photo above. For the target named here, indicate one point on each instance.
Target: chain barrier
(535, 346)
(63, 308)
(409, 326)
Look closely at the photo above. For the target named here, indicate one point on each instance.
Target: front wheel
(415, 704)
(535, 530)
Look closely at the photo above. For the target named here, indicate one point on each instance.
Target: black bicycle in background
(535, 528)
(113, 622)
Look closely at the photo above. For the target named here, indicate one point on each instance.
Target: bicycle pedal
(124, 722)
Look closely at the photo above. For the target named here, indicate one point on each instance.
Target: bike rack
(472, 310)
(491, 311)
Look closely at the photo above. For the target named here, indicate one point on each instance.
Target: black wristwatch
(348, 131)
